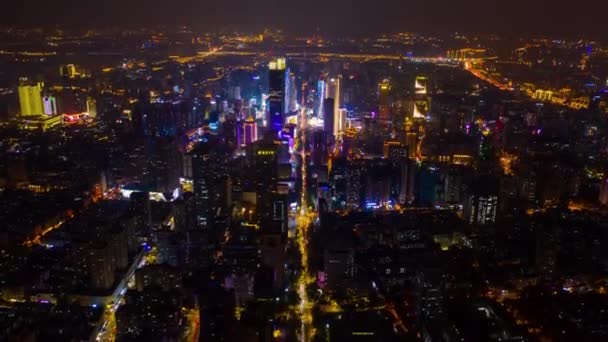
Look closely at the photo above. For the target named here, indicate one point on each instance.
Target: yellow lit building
(30, 99)
(420, 85)
(71, 69)
(42, 122)
(91, 107)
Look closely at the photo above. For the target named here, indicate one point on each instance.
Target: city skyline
(172, 184)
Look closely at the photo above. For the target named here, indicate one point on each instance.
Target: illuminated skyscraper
(421, 109)
(250, 131)
(483, 203)
(276, 97)
(269, 205)
(30, 99)
(340, 121)
(292, 103)
(321, 98)
(421, 85)
(91, 107)
(71, 70)
(422, 102)
(333, 90)
(383, 98)
(208, 170)
(50, 105)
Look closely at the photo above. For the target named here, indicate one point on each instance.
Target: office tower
(328, 110)
(429, 185)
(379, 178)
(91, 107)
(266, 166)
(292, 103)
(276, 96)
(50, 105)
(339, 264)
(208, 164)
(338, 184)
(354, 178)
(421, 103)
(288, 89)
(270, 206)
(30, 99)
(339, 121)
(68, 70)
(420, 85)
(421, 109)
(319, 148)
(483, 202)
(321, 98)
(250, 131)
(397, 153)
(334, 90)
(239, 127)
(100, 267)
(384, 110)
(71, 70)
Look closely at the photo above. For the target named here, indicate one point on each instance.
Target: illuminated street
(303, 223)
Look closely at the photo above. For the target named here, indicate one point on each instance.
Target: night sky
(331, 16)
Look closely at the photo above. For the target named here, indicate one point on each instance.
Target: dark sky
(587, 17)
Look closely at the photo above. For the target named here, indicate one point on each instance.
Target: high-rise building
(250, 131)
(208, 163)
(271, 207)
(328, 110)
(483, 203)
(91, 107)
(384, 110)
(100, 266)
(421, 103)
(339, 121)
(276, 96)
(30, 99)
(334, 90)
(320, 98)
(292, 103)
(50, 105)
(421, 85)
(71, 70)
(397, 154)
(288, 89)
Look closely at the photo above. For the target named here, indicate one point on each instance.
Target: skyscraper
(383, 99)
(483, 202)
(208, 163)
(328, 110)
(320, 98)
(421, 103)
(292, 104)
(91, 107)
(333, 90)
(250, 131)
(50, 105)
(30, 99)
(276, 97)
(339, 121)
(271, 206)
(421, 85)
